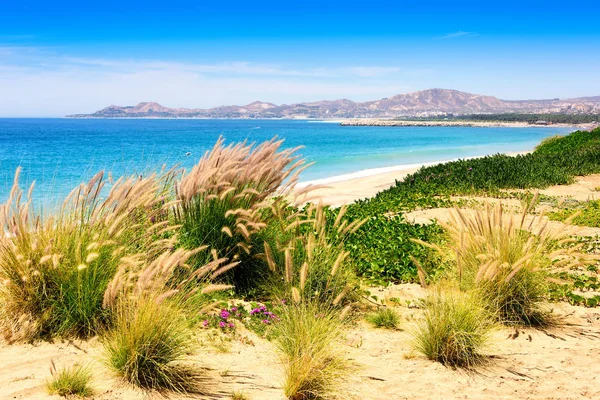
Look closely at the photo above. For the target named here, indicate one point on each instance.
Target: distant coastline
(461, 123)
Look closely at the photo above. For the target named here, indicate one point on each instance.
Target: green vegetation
(144, 263)
(383, 260)
(385, 317)
(586, 214)
(71, 381)
(455, 330)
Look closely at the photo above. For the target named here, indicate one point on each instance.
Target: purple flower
(224, 314)
(265, 321)
(222, 324)
(470, 169)
(231, 325)
(205, 323)
(233, 309)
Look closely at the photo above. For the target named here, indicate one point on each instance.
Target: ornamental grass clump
(306, 251)
(505, 258)
(307, 341)
(224, 200)
(153, 305)
(455, 329)
(307, 338)
(149, 343)
(54, 269)
(70, 381)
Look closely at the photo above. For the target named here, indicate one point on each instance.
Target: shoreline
(472, 124)
(347, 188)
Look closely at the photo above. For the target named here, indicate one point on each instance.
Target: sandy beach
(344, 189)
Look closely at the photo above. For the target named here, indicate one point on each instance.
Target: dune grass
(455, 329)
(148, 345)
(307, 338)
(55, 268)
(385, 317)
(505, 258)
(70, 381)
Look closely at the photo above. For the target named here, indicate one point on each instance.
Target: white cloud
(458, 34)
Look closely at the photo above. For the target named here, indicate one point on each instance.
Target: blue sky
(66, 57)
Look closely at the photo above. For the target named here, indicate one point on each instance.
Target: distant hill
(422, 103)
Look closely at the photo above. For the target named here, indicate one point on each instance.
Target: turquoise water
(60, 153)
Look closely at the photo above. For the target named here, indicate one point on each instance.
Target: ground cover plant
(555, 161)
(586, 214)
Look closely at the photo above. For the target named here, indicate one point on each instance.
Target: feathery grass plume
(455, 329)
(54, 270)
(148, 344)
(168, 275)
(226, 197)
(307, 341)
(70, 381)
(505, 257)
(384, 318)
(306, 251)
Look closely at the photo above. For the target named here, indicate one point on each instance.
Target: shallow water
(60, 153)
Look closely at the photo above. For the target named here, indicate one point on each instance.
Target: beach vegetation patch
(455, 329)
(70, 381)
(385, 317)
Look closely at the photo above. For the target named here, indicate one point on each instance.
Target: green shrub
(455, 330)
(381, 249)
(384, 318)
(71, 381)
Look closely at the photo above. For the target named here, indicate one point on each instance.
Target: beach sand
(346, 189)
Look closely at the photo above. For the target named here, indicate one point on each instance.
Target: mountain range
(422, 103)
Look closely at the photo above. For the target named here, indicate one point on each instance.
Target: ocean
(61, 153)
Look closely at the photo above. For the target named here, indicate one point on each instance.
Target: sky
(66, 57)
